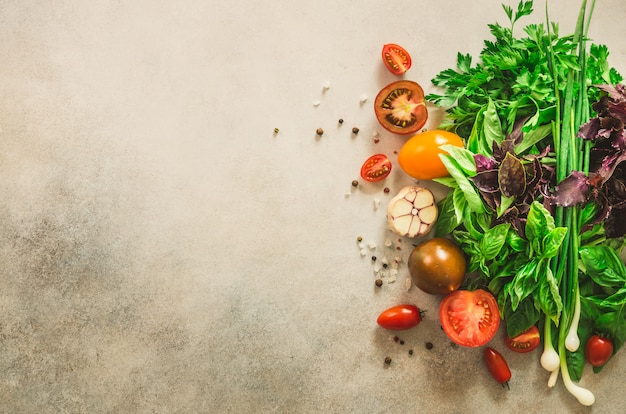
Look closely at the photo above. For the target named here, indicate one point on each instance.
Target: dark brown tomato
(400, 107)
(437, 266)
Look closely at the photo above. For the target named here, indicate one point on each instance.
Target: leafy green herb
(537, 191)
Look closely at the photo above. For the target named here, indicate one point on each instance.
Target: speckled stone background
(163, 251)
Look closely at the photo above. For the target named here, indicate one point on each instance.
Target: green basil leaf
(552, 242)
(477, 134)
(616, 299)
(460, 205)
(549, 299)
(446, 181)
(492, 125)
(516, 242)
(576, 363)
(539, 222)
(493, 240)
(521, 319)
(463, 157)
(603, 265)
(474, 201)
(524, 283)
(447, 220)
(532, 137)
(588, 214)
(505, 203)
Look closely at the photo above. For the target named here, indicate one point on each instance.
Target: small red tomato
(396, 58)
(524, 342)
(497, 366)
(598, 350)
(376, 168)
(400, 317)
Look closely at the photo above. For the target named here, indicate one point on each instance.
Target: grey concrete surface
(163, 251)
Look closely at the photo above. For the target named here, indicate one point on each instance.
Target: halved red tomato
(469, 318)
(524, 342)
(396, 58)
(376, 168)
(400, 107)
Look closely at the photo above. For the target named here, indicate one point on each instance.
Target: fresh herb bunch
(537, 191)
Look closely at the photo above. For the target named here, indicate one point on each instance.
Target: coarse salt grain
(393, 272)
(363, 99)
(392, 279)
(408, 283)
(388, 243)
(326, 86)
(363, 252)
(376, 203)
(316, 103)
(372, 245)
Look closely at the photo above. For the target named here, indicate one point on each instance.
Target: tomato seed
(319, 131)
(359, 239)
(276, 130)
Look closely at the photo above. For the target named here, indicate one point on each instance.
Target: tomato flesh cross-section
(400, 107)
(469, 318)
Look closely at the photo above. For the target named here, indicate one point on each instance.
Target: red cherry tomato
(469, 318)
(400, 317)
(524, 342)
(376, 168)
(497, 366)
(396, 58)
(598, 350)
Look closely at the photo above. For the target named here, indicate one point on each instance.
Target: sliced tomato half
(469, 318)
(396, 58)
(524, 342)
(376, 168)
(400, 107)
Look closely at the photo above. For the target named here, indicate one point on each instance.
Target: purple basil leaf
(511, 176)
(486, 181)
(572, 190)
(590, 129)
(484, 163)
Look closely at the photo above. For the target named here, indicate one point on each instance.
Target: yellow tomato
(419, 156)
